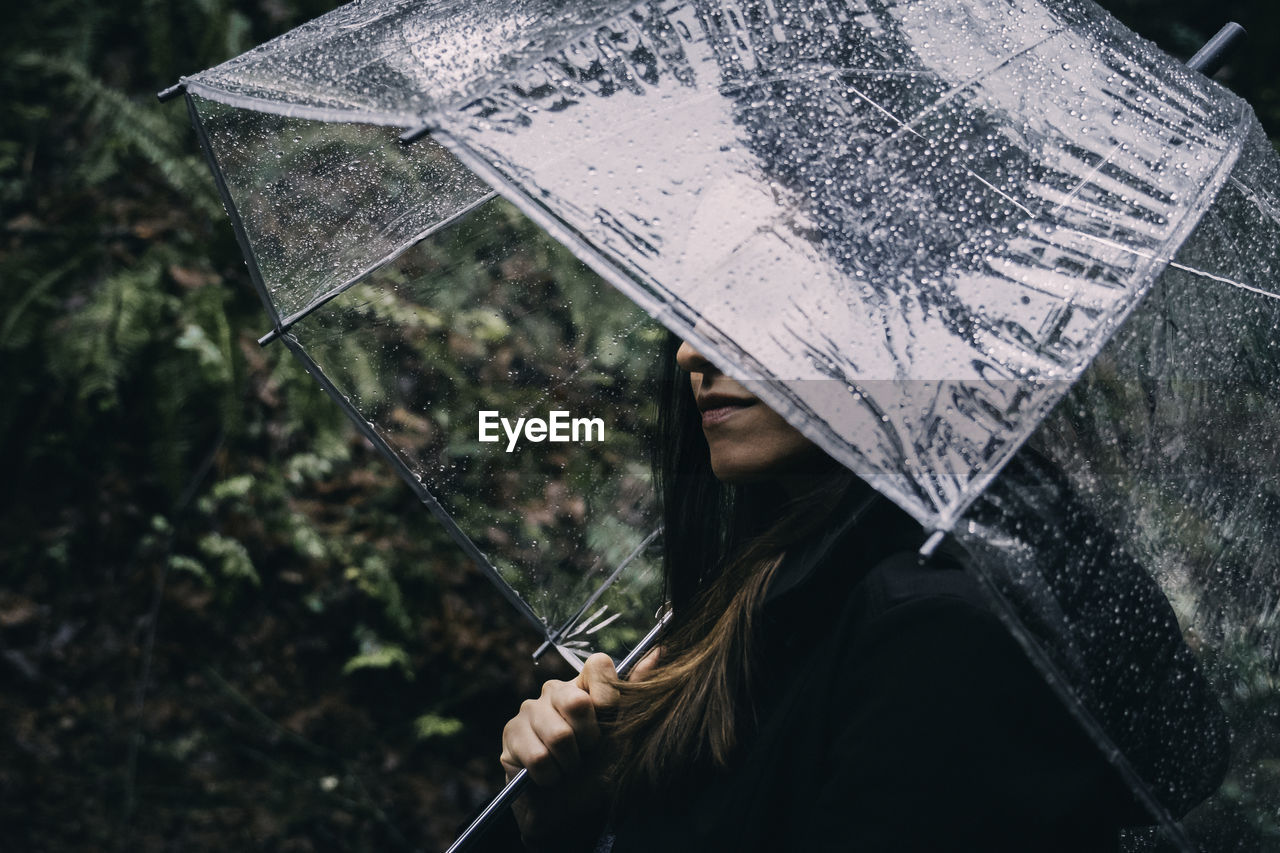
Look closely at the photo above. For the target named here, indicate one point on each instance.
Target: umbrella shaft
(1209, 58)
(505, 798)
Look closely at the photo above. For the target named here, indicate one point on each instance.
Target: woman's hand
(557, 738)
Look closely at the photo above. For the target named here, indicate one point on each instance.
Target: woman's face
(749, 442)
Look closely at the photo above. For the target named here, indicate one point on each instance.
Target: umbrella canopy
(944, 240)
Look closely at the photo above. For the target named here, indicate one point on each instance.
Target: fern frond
(152, 132)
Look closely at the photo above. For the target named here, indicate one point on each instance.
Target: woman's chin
(743, 469)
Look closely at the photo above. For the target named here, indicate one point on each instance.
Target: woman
(821, 687)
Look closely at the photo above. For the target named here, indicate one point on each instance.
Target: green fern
(158, 134)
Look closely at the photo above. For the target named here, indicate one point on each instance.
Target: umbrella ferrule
(1209, 58)
(931, 544)
(413, 134)
(166, 95)
(542, 649)
(272, 335)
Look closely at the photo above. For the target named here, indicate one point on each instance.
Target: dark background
(224, 623)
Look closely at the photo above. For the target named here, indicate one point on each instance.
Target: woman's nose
(692, 361)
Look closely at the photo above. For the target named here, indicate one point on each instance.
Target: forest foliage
(224, 621)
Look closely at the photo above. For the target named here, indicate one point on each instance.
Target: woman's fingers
(565, 721)
(550, 733)
(511, 759)
(541, 745)
(551, 737)
(522, 749)
(646, 665)
(577, 708)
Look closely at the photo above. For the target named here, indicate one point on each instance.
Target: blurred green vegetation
(224, 622)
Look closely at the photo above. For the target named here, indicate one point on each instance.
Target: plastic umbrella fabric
(1009, 263)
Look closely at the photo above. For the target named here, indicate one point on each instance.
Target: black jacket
(894, 712)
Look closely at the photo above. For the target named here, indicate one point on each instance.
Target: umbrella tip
(172, 92)
(414, 134)
(1210, 58)
(931, 544)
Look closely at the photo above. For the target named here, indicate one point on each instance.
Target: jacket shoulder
(906, 579)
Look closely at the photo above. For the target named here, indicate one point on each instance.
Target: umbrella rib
(1058, 682)
(1151, 256)
(270, 101)
(1086, 179)
(604, 623)
(986, 72)
(366, 429)
(600, 590)
(1264, 205)
(320, 301)
(585, 622)
(741, 84)
(907, 127)
(233, 212)
(1224, 280)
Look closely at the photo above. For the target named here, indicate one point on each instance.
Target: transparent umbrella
(1009, 263)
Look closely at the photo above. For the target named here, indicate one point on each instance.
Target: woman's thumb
(598, 678)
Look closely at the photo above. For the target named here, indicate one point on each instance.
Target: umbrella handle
(518, 782)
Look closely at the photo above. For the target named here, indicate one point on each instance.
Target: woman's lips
(721, 413)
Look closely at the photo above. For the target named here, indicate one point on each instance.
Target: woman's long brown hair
(721, 546)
